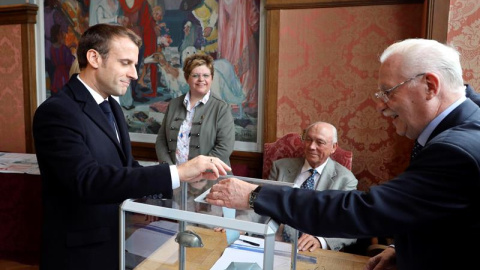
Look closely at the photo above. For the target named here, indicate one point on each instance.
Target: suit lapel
(326, 178)
(291, 174)
(80, 94)
(293, 170)
(122, 126)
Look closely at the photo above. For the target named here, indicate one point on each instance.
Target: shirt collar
(204, 100)
(319, 169)
(422, 139)
(98, 98)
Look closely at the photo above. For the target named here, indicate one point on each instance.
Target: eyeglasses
(383, 94)
(197, 76)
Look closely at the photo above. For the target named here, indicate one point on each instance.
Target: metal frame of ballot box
(267, 230)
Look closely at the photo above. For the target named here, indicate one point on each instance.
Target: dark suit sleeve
(436, 188)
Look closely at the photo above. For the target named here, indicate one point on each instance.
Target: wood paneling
(25, 15)
(271, 76)
(437, 19)
(18, 14)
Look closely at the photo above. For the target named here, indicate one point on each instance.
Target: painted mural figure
(140, 20)
(207, 15)
(61, 57)
(104, 11)
(52, 15)
(239, 22)
(170, 31)
(163, 40)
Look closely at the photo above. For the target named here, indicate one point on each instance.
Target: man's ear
(94, 58)
(335, 145)
(433, 85)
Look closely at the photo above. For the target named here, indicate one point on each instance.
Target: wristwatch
(253, 196)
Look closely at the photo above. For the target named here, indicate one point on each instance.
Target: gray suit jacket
(334, 176)
(212, 133)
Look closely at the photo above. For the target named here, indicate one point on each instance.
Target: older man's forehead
(319, 130)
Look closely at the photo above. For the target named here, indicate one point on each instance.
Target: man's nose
(132, 73)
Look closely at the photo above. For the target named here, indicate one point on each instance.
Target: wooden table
(215, 242)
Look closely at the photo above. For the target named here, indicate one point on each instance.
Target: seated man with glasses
(320, 142)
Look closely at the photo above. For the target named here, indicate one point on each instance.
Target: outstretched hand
(308, 242)
(231, 193)
(202, 167)
(384, 260)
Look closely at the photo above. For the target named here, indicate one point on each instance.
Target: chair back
(291, 146)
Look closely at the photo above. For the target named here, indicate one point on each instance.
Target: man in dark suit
(436, 197)
(320, 142)
(86, 164)
(386, 258)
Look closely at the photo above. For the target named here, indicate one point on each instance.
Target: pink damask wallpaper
(12, 129)
(328, 70)
(464, 33)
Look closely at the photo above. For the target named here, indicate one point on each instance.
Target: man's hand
(231, 193)
(383, 260)
(202, 167)
(308, 242)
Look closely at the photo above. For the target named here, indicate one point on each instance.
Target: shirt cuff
(174, 176)
(323, 242)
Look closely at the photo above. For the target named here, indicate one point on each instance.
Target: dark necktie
(310, 182)
(416, 149)
(107, 110)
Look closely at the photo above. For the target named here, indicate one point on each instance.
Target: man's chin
(400, 127)
(400, 132)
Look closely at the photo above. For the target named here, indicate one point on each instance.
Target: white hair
(334, 130)
(425, 55)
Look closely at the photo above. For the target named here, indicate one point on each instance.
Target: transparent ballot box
(162, 234)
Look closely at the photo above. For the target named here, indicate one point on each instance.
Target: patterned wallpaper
(328, 71)
(12, 123)
(464, 33)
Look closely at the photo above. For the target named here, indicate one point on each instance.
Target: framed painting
(228, 30)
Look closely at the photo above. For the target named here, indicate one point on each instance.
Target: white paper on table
(240, 251)
(18, 163)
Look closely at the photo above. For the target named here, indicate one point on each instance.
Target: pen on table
(250, 242)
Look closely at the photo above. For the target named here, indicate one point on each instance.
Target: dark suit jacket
(85, 174)
(471, 94)
(434, 202)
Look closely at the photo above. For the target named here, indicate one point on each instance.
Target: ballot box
(159, 233)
